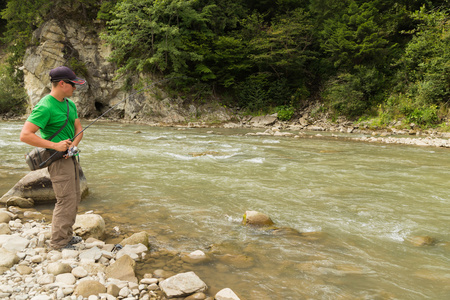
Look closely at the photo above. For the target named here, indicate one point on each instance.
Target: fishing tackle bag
(38, 158)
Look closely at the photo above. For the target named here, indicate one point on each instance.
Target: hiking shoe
(68, 247)
(75, 240)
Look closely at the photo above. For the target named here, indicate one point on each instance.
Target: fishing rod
(74, 150)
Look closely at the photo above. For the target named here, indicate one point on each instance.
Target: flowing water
(356, 205)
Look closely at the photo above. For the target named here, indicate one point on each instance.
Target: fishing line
(71, 153)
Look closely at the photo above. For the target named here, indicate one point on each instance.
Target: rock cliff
(64, 42)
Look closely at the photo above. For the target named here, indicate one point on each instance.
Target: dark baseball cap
(65, 73)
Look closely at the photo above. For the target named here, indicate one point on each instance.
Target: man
(48, 116)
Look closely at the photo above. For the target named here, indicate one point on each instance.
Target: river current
(357, 206)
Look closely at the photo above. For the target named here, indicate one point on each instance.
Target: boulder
(256, 218)
(20, 202)
(37, 186)
(226, 294)
(87, 288)
(8, 258)
(137, 238)
(182, 285)
(89, 225)
(262, 121)
(122, 269)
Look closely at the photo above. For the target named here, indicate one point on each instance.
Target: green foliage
(158, 36)
(12, 95)
(284, 112)
(353, 94)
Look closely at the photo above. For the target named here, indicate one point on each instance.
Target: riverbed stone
(122, 269)
(182, 285)
(20, 202)
(87, 288)
(226, 294)
(420, 241)
(4, 228)
(134, 251)
(137, 238)
(89, 225)
(196, 257)
(66, 278)
(57, 268)
(256, 218)
(4, 217)
(8, 258)
(23, 269)
(79, 272)
(238, 260)
(13, 243)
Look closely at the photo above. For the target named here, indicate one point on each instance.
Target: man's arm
(78, 129)
(28, 135)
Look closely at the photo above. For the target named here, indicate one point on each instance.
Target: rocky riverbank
(29, 269)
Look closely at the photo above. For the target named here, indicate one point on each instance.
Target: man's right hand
(63, 145)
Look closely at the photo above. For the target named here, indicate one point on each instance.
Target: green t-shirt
(49, 115)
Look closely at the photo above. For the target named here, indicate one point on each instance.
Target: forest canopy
(380, 60)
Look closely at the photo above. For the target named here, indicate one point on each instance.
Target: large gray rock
(262, 121)
(182, 285)
(89, 225)
(37, 186)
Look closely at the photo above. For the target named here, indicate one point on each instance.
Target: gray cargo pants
(65, 179)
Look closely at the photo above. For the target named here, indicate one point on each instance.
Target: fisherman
(49, 116)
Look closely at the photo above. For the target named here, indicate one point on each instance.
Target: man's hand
(62, 146)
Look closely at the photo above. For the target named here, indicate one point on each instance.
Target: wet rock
(226, 294)
(238, 261)
(87, 288)
(20, 202)
(196, 296)
(8, 258)
(159, 273)
(257, 219)
(182, 285)
(419, 241)
(196, 257)
(37, 186)
(89, 225)
(122, 269)
(137, 238)
(133, 251)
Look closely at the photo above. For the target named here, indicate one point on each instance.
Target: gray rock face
(37, 186)
(182, 284)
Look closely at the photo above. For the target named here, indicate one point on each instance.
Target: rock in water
(257, 219)
(182, 284)
(37, 186)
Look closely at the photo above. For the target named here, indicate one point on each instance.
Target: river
(356, 204)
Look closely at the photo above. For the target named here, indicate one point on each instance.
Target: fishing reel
(72, 151)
